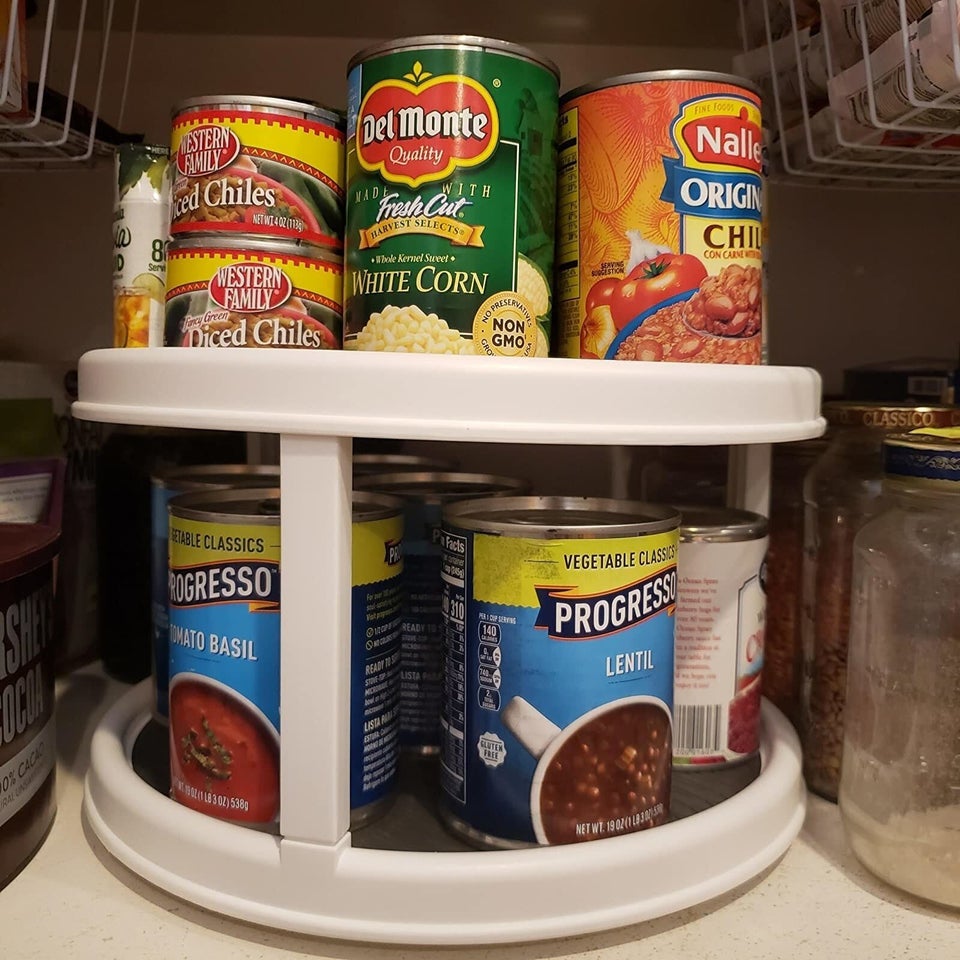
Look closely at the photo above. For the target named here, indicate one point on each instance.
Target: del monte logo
(206, 149)
(250, 287)
(423, 127)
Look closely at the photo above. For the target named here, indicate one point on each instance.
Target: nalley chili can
(260, 166)
(660, 219)
(451, 187)
(224, 596)
(250, 292)
(721, 622)
(559, 630)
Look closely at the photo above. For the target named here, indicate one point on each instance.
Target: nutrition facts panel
(453, 718)
(568, 210)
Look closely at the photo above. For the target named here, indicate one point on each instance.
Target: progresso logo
(250, 582)
(566, 615)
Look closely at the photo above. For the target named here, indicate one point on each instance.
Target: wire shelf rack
(70, 43)
(864, 92)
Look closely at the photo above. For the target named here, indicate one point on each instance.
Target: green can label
(451, 189)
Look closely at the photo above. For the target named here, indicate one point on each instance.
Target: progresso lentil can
(660, 219)
(376, 612)
(558, 624)
(721, 618)
(421, 657)
(247, 292)
(224, 591)
(163, 488)
(451, 186)
(258, 166)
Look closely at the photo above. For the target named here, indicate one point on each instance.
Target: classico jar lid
(891, 417)
(929, 457)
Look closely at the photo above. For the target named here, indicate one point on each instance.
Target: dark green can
(451, 196)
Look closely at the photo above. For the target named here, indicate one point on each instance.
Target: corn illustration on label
(660, 222)
(228, 297)
(244, 169)
(451, 183)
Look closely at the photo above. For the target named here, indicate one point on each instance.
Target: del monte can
(451, 186)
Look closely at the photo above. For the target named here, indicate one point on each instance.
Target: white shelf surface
(75, 900)
(535, 400)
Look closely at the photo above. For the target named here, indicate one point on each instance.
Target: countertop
(74, 900)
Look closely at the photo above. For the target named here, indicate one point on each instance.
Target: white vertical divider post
(748, 477)
(315, 551)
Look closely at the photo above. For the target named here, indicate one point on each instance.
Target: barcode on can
(696, 729)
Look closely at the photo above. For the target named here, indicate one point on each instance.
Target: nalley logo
(726, 136)
(250, 287)
(423, 127)
(207, 149)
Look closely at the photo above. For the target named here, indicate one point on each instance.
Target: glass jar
(900, 789)
(841, 492)
(781, 657)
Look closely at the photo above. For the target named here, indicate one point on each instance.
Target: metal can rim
(651, 76)
(305, 108)
(184, 479)
(729, 526)
(256, 243)
(398, 462)
(188, 506)
(468, 515)
(454, 41)
(369, 506)
(488, 484)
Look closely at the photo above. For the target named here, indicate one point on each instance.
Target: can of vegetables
(659, 219)
(258, 165)
(451, 169)
(251, 292)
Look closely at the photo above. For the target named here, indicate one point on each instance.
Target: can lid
(703, 524)
(437, 487)
(364, 463)
(652, 76)
(561, 518)
(26, 546)
(374, 506)
(182, 479)
(249, 504)
(454, 41)
(210, 240)
(889, 416)
(928, 457)
(308, 108)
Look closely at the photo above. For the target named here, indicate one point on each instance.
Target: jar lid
(26, 546)
(930, 456)
(889, 416)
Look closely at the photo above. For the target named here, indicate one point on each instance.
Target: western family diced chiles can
(224, 595)
(721, 617)
(659, 219)
(376, 613)
(421, 658)
(558, 626)
(140, 216)
(258, 165)
(245, 292)
(163, 488)
(451, 186)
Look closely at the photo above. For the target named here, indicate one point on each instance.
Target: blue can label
(556, 724)
(375, 659)
(224, 636)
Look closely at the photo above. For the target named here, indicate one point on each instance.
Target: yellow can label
(257, 172)
(219, 297)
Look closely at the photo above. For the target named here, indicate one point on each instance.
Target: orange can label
(660, 215)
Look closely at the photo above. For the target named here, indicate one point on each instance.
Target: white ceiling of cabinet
(670, 23)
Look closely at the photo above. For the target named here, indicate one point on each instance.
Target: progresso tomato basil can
(721, 620)
(258, 165)
(224, 594)
(660, 219)
(558, 624)
(421, 653)
(451, 186)
(246, 292)
(163, 488)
